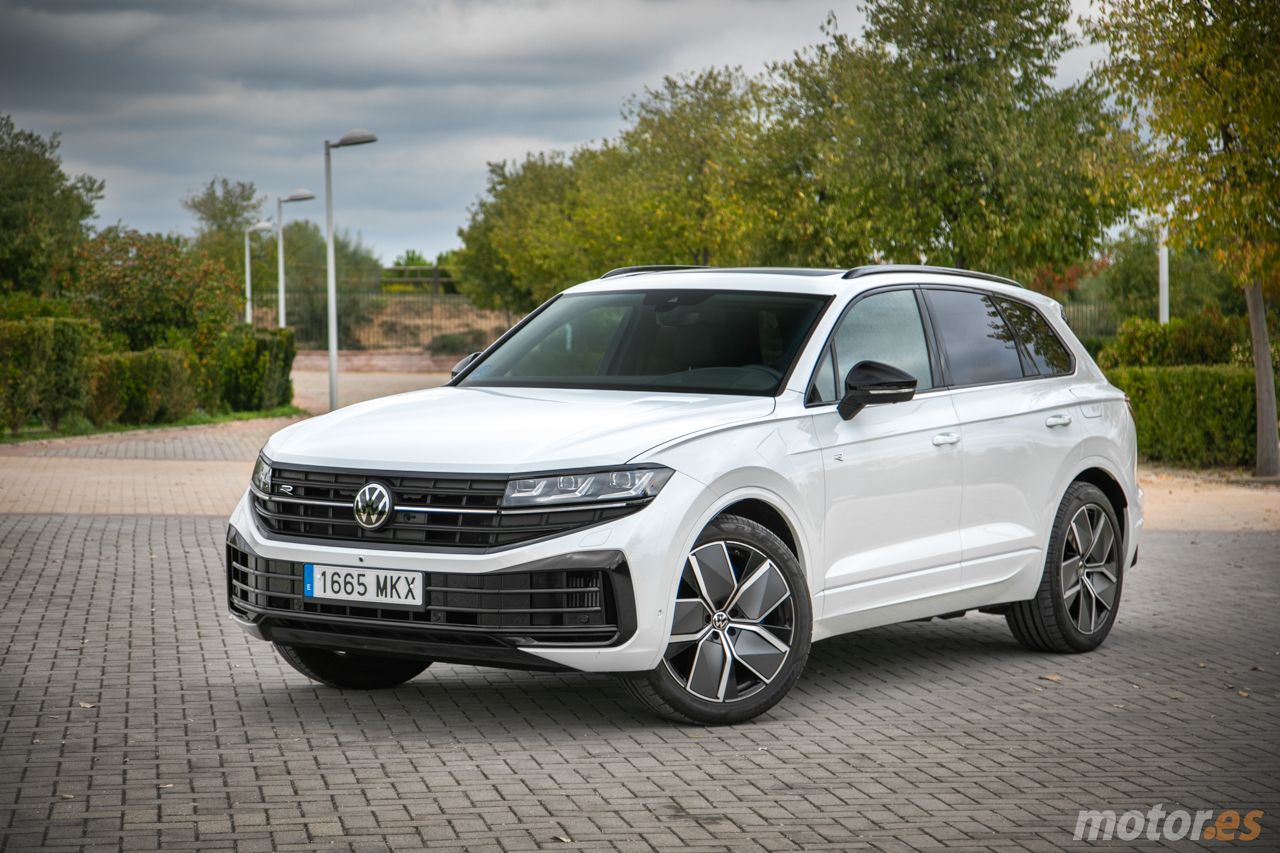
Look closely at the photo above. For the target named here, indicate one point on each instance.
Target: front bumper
(582, 599)
(486, 608)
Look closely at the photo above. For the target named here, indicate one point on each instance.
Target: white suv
(685, 476)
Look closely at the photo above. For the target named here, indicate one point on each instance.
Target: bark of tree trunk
(1268, 464)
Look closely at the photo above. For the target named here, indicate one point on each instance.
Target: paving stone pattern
(231, 441)
(134, 715)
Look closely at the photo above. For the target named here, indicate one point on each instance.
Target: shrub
(253, 368)
(1242, 355)
(459, 343)
(1201, 339)
(1192, 415)
(145, 286)
(151, 386)
(24, 347)
(1095, 345)
(44, 368)
(25, 306)
(64, 385)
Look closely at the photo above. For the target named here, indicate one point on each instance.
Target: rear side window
(979, 345)
(1048, 355)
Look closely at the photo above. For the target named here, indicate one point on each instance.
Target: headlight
(262, 476)
(621, 484)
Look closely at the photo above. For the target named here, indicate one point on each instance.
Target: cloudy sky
(158, 96)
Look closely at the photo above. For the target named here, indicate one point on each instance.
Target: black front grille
(544, 605)
(441, 513)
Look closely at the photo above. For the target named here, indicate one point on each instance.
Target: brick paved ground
(910, 737)
(183, 471)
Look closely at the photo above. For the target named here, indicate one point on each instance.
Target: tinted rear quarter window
(979, 345)
(1049, 356)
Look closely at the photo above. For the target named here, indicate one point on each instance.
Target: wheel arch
(1106, 482)
(768, 516)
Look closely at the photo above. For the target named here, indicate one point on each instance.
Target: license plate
(366, 586)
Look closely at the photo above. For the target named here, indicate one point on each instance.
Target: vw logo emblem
(372, 506)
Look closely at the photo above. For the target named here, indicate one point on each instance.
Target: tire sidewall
(734, 529)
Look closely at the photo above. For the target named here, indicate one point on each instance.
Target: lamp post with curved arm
(281, 201)
(351, 137)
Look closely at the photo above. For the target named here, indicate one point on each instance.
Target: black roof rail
(871, 269)
(654, 268)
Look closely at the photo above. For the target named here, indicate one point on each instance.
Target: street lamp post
(351, 137)
(281, 201)
(248, 271)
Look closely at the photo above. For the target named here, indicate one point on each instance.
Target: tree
(675, 187)
(680, 183)
(359, 280)
(44, 213)
(223, 211)
(940, 137)
(224, 206)
(1202, 80)
(504, 262)
(148, 290)
(1130, 284)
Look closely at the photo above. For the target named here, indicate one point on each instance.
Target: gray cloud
(157, 96)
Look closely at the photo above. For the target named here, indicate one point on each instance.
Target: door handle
(1057, 421)
(945, 438)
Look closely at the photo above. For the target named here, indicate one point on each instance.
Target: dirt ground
(1213, 500)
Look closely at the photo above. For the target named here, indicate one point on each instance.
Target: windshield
(704, 341)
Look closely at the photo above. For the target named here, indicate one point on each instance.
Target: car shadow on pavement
(477, 704)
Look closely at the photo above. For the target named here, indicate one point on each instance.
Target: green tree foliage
(678, 186)
(225, 206)
(940, 137)
(358, 271)
(935, 136)
(145, 288)
(503, 263)
(44, 213)
(223, 210)
(1201, 81)
(1130, 281)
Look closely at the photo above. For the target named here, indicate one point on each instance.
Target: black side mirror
(462, 365)
(871, 382)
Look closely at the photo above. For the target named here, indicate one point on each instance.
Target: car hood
(504, 430)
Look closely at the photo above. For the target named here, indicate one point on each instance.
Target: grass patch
(35, 431)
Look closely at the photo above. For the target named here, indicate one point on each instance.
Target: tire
(737, 661)
(1076, 604)
(350, 671)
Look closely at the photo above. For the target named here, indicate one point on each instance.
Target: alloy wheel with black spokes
(1089, 581)
(740, 631)
(733, 625)
(1079, 594)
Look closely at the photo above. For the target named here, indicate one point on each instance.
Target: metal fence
(374, 319)
(1090, 319)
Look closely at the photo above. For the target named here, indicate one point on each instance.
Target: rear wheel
(741, 629)
(348, 670)
(1075, 606)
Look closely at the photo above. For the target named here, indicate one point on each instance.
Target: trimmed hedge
(147, 387)
(254, 368)
(1200, 339)
(44, 369)
(1192, 414)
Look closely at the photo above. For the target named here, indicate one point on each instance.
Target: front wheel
(741, 629)
(1075, 606)
(350, 671)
